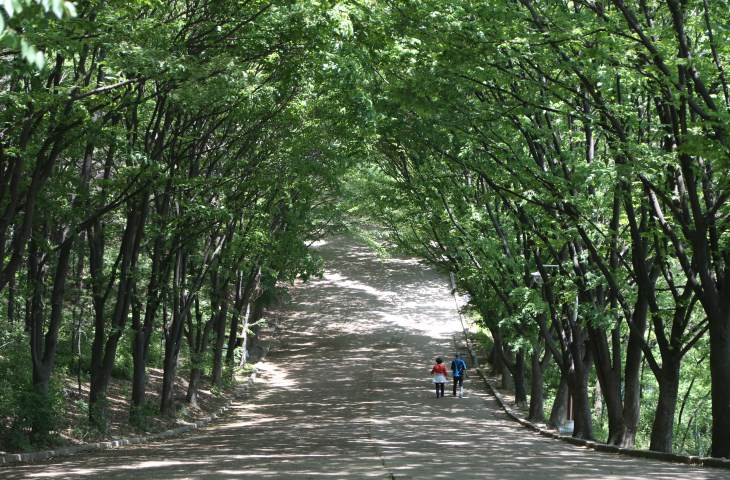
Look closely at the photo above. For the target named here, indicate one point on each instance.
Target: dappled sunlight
(277, 376)
(343, 282)
(346, 393)
(367, 305)
(93, 472)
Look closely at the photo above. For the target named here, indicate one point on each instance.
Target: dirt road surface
(345, 393)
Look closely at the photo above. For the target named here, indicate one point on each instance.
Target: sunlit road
(346, 394)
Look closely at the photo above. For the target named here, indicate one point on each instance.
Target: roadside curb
(240, 390)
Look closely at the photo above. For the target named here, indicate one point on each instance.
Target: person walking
(458, 372)
(440, 375)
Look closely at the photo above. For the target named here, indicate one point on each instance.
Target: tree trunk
(184, 293)
(609, 381)
(104, 349)
(498, 363)
(174, 335)
(559, 411)
(193, 384)
(622, 410)
(43, 349)
(34, 313)
(173, 341)
(243, 344)
(520, 380)
(537, 388)
(139, 372)
(220, 329)
(238, 304)
(632, 376)
(583, 422)
(44, 355)
(720, 372)
(598, 399)
(257, 313)
(198, 335)
(581, 362)
(662, 430)
(502, 364)
(161, 262)
(11, 300)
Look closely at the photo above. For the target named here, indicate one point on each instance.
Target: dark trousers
(439, 389)
(460, 381)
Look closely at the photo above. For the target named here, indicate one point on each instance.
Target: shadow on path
(346, 394)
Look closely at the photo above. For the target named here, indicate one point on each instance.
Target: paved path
(346, 394)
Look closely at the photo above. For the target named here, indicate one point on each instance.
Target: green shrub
(29, 418)
(139, 416)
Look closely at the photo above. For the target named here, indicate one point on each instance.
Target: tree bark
(559, 410)
(220, 331)
(198, 339)
(578, 389)
(174, 335)
(720, 372)
(662, 431)
(520, 378)
(578, 370)
(537, 387)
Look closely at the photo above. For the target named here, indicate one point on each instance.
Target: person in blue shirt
(458, 369)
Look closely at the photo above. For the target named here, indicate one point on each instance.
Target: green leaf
(12, 7)
(31, 54)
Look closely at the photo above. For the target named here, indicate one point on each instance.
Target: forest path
(345, 393)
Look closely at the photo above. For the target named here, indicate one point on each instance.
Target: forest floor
(76, 430)
(74, 426)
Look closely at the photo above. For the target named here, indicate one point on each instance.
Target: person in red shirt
(440, 375)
